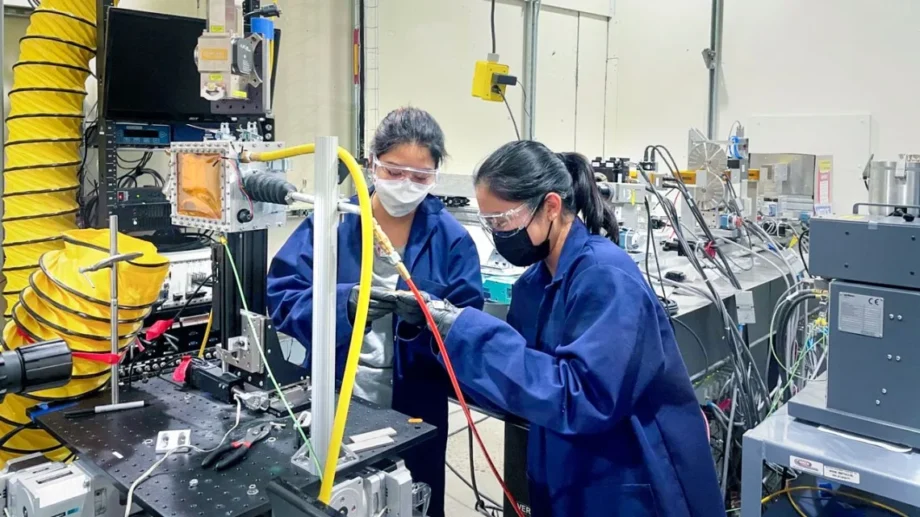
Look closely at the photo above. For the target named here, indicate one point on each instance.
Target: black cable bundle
(786, 310)
(268, 188)
(802, 238)
(745, 369)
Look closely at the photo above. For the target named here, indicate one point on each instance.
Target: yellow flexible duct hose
(364, 299)
(59, 302)
(45, 128)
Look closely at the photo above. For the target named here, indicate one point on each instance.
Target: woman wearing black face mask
(587, 354)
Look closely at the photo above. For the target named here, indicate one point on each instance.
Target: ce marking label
(875, 301)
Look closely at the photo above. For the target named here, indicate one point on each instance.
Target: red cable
(459, 393)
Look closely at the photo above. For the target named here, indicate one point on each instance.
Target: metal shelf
(784, 440)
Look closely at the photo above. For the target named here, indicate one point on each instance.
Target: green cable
(271, 376)
(792, 377)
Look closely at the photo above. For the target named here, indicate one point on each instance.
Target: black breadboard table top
(122, 444)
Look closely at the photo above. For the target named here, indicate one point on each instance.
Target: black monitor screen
(150, 71)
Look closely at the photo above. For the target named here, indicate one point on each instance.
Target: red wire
(459, 393)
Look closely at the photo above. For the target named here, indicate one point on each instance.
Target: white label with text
(842, 475)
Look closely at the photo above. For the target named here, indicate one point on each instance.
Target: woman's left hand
(408, 309)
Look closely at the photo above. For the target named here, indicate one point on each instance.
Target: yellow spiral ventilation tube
(45, 133)
(59, 302)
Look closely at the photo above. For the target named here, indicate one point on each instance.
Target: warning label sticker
(860, 314)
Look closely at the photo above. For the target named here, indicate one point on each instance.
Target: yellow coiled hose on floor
(45, 131)
(60, 302)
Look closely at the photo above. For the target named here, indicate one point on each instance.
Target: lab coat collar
(571, 249)
(424, 227)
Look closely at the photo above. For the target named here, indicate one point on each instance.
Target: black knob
(244, 216)
(909, 217)
(35, 367)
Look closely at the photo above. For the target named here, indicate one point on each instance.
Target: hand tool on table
(232, 453)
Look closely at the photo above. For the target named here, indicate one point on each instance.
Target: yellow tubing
(288, 152)
(59, 302)
(207, 335)
(364, 298)
(45, 131)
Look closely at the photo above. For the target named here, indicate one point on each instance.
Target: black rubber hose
(268, 188)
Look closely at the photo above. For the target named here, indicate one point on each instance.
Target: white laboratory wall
(660, 83)
(831, 66)
(313, 95)
(427, 54)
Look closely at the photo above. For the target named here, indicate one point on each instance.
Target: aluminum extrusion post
(715, 70)
(325, 222)
(531, 39)
(113, 305)
(343, 206)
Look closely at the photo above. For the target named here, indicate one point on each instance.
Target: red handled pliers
(237, 450)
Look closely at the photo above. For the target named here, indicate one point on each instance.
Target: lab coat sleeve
(586, 385)
(290, 290)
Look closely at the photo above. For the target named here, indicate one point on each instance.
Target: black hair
(528, 171)
(410, 126)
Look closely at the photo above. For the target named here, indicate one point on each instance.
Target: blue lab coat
(443, 262)
(589, 358)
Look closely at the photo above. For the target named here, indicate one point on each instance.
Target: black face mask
(519, 250)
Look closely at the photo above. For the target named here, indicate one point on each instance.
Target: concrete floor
(459, 500)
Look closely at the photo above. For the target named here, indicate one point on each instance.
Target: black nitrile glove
(407, 308)
(444, 315)
(383, 302)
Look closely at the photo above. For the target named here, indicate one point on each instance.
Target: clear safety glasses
(389, 171)
(510, 222)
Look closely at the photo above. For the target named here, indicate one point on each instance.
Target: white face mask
(400, 197)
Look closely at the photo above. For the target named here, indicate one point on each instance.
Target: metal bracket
(709, 58)
(240, 351)
(302, 460)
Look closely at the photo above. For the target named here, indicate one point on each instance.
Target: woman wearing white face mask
(396, 368)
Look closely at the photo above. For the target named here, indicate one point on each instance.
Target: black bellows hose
(268, 188)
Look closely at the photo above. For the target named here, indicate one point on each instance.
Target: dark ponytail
(528, 171)
(596, 213)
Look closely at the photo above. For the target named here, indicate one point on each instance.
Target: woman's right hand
(383, 302)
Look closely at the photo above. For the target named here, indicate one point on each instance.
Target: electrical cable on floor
(469, 485)
(465, 427)
(268, 369)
